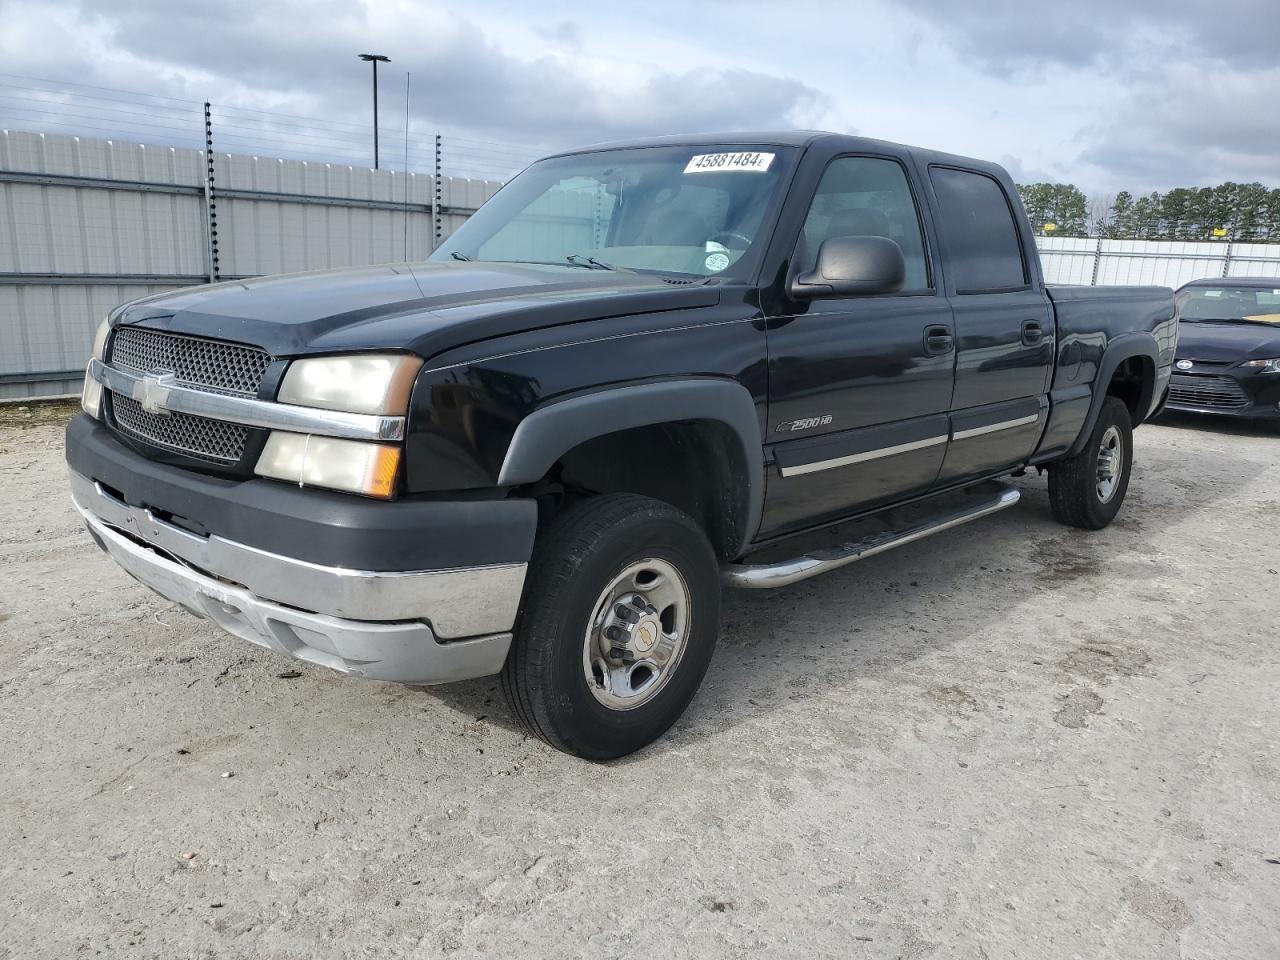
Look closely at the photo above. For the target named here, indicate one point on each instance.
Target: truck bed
(1110, 311)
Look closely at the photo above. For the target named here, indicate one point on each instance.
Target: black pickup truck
(639, 372)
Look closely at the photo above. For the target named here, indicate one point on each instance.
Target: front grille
(212, 365)
(1209, 392)
(1210, 363)
(211, 440)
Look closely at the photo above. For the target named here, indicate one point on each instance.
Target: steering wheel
(731, 235)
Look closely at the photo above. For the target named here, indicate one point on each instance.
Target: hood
(1228, 342)
(425, 308)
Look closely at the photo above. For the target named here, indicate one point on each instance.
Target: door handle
(1032, 333)
(938, 340)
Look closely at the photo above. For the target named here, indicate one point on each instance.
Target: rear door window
(979, 232)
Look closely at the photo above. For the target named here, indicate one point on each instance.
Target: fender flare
(1117, 352)
(553, 430)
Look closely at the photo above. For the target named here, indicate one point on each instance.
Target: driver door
(859, 387)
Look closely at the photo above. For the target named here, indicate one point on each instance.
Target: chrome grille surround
(251, 412)
(1206, 392)
(209, 365)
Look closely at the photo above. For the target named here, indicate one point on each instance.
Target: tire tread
(1072, 479)
(556, 561)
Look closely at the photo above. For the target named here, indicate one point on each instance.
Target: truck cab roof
(831, 142)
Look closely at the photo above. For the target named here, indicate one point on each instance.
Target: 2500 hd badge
(808, 423)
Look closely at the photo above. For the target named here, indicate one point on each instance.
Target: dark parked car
(637, 373)
(1229, 349)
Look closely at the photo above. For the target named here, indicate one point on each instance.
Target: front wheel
(617, 626)
(1087, 490)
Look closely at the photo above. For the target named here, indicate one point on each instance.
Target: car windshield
(698, 211)
(1227, 303)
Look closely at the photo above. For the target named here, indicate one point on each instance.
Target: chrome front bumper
(385, 626)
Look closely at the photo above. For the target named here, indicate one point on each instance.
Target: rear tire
(625, 567)
(1088, 490)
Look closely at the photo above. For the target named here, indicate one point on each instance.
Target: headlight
(1263, 366)
(100, 340)
(359, 383)
(91, 395)
(350, 465)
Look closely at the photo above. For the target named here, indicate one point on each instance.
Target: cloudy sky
(1134, 94)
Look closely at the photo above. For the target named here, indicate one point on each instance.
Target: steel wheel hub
(1110, 464)
(636, 635)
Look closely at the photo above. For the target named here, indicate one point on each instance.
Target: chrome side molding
(785, 572)
(815, 466)
(160, 394)
(877, 454)
(996, 427)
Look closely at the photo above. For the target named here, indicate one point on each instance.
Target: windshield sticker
(725, 162)
(1213, 293)
(717, 262)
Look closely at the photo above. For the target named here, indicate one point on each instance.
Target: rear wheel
(617, 627)
(1087, 490)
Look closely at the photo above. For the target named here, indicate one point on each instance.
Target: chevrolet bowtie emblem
(152, 392)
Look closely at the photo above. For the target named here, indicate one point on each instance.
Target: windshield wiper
(591, 263)
(460, 256)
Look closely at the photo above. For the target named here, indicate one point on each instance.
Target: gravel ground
(1012, 740)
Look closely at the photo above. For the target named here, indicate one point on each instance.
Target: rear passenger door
(859, 387)
(1004, 326)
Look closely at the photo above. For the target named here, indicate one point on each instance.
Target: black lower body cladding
(332, 529)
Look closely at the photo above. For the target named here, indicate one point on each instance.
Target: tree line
(1229, 211)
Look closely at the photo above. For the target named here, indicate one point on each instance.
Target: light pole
(375, 59)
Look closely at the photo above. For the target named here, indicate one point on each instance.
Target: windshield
(699, 211)
(1227, 303)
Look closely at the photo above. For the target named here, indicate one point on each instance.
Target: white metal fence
(1166, 263)
(87, 224)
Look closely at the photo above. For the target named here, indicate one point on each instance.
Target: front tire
(1088, 490)
(617, 627)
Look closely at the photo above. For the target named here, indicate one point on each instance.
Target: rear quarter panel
(1097, 328)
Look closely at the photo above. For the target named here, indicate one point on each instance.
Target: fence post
(436, 197)
(1226, 261)
(407, 179)
(1097, 261)
(210, 207)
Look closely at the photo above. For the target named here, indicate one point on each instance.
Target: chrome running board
(780, 574)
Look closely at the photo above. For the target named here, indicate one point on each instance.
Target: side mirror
(851, 267)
